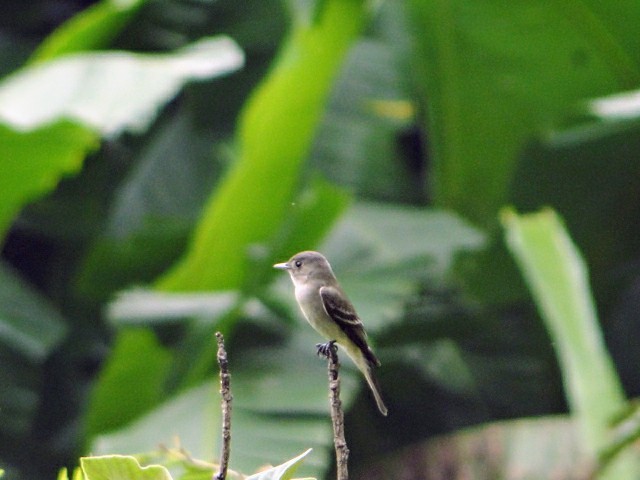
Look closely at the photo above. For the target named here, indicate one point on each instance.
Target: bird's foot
(325, 349)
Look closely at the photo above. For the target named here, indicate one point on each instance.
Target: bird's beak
(282, 266)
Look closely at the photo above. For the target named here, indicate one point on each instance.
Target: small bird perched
(329, 311)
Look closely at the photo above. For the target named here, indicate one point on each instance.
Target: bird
(330, 312)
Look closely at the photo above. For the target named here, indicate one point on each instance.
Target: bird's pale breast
(313, 309)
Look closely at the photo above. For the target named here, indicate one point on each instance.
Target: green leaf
(35, 161)
(109, 91)
(145, 306)
(153, 209)
(29, 325)
(189, 417)
(110, 467)
(77, 474)
(380, 251)
(92, 28)
(260, 389)
(626, 430)
(52, 113)
(558, 280)
(284, 471)
(170, 180)
(441, 361)
(30, 329)
(495, 76)
(275, 134)
(137, 359)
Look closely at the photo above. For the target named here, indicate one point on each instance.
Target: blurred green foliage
(558, 279)
(386, 134)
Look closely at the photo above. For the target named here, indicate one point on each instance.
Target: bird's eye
(298, 263)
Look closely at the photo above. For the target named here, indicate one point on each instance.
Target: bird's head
(305, 266)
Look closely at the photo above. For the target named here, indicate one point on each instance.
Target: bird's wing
(342, 312)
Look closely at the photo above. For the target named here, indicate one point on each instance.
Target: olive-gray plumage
(329, 311)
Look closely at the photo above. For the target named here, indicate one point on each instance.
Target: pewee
(327, 308)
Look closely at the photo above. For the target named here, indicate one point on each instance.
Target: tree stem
(337, 415)
(225, 391)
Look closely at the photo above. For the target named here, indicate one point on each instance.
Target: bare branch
(337, 415)
(225, 391)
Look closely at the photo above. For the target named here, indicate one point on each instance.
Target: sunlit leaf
(275, 134)
(111, 467)
(52, 113)
(109, 91)
(281, 472)
(142, 306)
(77, 474)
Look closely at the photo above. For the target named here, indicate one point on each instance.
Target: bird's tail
(369, 375)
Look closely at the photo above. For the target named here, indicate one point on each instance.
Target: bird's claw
(325, 349)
